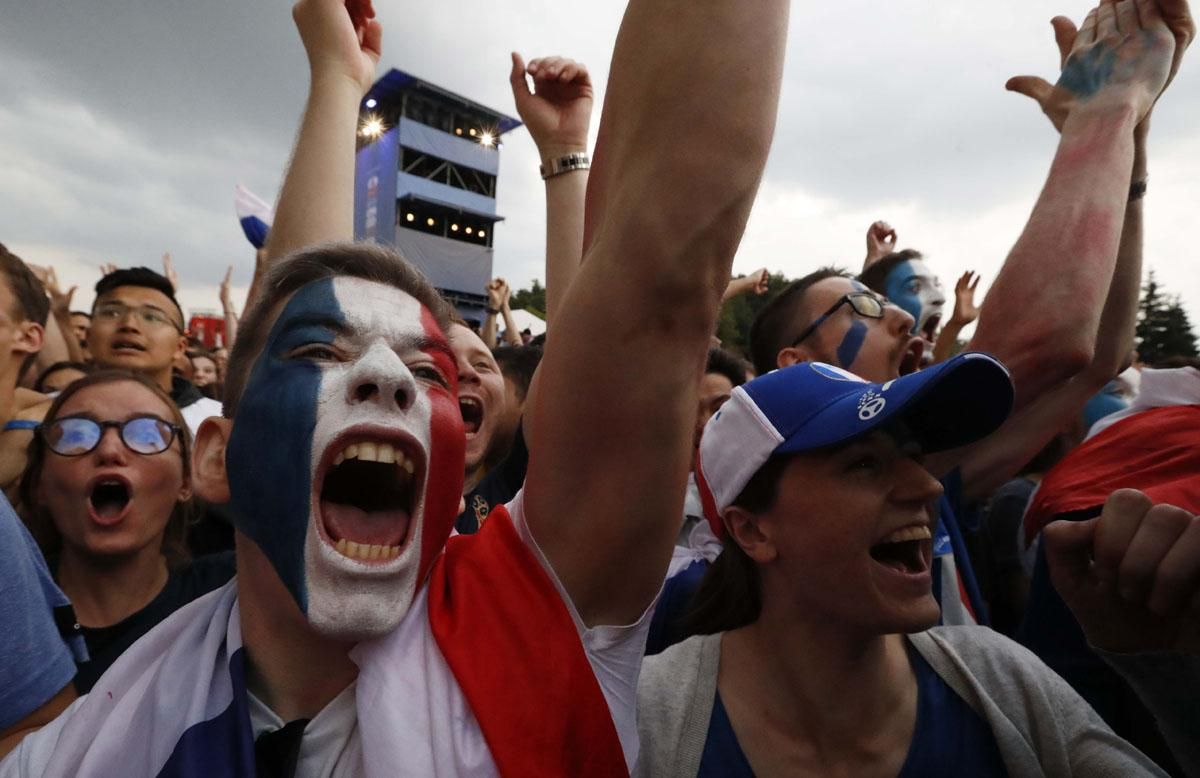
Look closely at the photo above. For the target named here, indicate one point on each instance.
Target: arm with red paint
(1109, 326)
(1042, 314)
(620, 408)
(316, 204)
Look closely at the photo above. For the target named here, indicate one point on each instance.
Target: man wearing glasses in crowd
(137, 325)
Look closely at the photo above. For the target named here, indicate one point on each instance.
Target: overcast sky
(125, 124)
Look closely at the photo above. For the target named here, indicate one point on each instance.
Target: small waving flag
(254, 214)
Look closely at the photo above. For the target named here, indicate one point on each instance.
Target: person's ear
(753, 535)
(209, 478)
(793, 355)
(30, 336)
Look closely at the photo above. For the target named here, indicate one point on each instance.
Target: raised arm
(1042, 314)
(231, 317)
(610, 416)
(557, 112)
(1045, 412)
(316, 204)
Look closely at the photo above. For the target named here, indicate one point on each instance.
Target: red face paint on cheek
(447, 453)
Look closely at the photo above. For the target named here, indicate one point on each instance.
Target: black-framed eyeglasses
(864, 304)
(75, 436)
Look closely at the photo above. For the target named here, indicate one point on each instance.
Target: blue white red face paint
(912, 286)
(353, 374)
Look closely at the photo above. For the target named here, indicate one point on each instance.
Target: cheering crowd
(372, 538)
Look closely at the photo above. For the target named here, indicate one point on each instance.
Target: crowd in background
(365, 535)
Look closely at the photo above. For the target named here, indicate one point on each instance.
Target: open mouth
(929, 331)
(367, 499)
(906, 550)
(125, 346)
(108, 500)
(910, 359)
(472, 413)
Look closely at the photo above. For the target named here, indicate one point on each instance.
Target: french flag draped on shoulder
(254, 214)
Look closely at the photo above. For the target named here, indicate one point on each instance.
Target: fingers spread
(1087, 33)
(1064, 35)
(1106, 20)
(1157, 533)
(1031, 86)
(1127, 16)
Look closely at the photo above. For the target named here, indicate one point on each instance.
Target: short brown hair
(32, 304)
(775, 326)
(41, 523)
(367, 261)
(875, 277)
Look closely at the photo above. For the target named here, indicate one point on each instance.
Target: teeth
(909, 533)
(366, 552)
(375, 451)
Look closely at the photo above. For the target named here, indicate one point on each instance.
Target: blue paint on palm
(899, 291)
(851, 344)
(270, 456)
(1084, 75)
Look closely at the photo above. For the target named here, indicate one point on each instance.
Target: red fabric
(514, 650)
(1156, 451)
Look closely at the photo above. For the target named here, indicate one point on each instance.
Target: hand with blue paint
(1126, 53)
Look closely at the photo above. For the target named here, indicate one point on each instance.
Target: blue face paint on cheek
(851, 344)
(269, 457)
(896, 291)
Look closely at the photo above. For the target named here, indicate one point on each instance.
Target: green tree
(1163, 328)
(733, 328)
(532, 299)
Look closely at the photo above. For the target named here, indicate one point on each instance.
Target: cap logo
(870, 405)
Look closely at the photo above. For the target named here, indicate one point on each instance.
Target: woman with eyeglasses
(107, 494)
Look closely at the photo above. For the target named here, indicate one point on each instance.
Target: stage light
(372, 102)
(372, 128)
(458, 130)
(454, 228)
(469, 230)
(482, 234)
(430, 221)
(409, 217)
(472, 131)
(487, 139)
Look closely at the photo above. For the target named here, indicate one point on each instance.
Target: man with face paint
(1061, 313)
(350, 642)
(905, 280)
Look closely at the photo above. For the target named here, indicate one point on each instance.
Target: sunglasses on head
(75, 436)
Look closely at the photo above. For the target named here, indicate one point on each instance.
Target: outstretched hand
(965, 310)
(169, 271)
(1131, 576)
(60, 301)
(558, 111)
(1126, 52)
(881, 241)
(226, 289)
(342, 38)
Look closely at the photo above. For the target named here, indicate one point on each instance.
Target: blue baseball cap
(812, 405)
